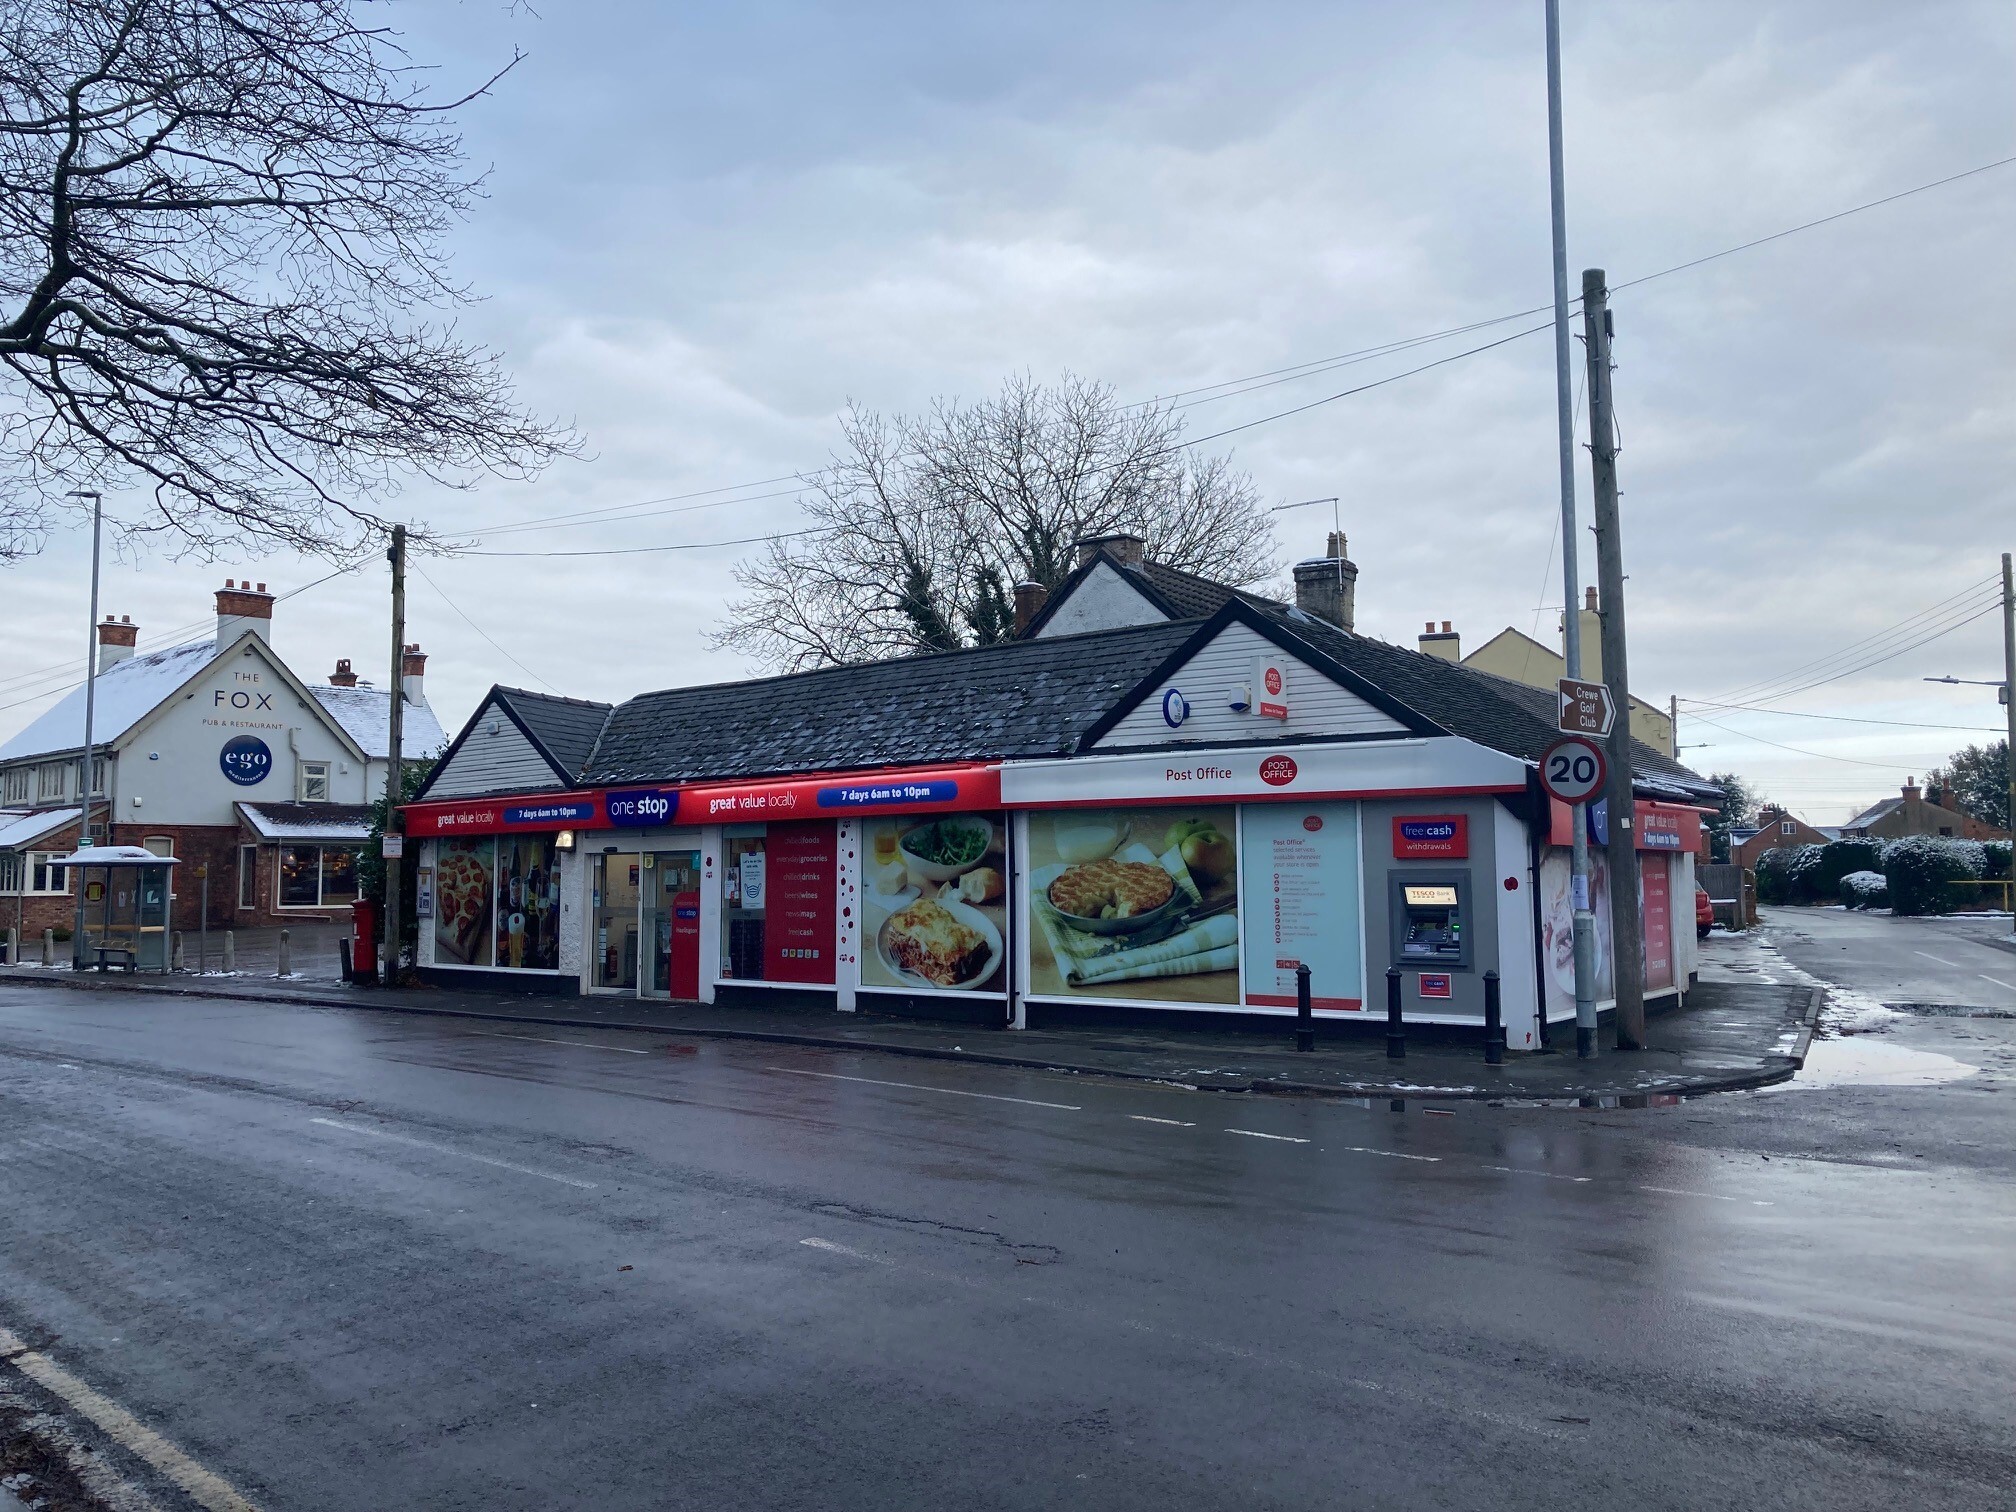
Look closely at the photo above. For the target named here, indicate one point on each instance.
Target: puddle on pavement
(1860, 1061)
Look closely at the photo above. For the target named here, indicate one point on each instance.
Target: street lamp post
(90, 715)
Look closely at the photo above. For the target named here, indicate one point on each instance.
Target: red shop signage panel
(1431, 837)
(798, 937)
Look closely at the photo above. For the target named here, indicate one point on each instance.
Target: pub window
(97, 776)
(52, 780)
(314, 875)
(17, 784)
(248, 876)
(45, 875)
(10, 871)
(159, 845)
(314, 782)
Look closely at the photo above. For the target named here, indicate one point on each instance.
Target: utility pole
(1571, 594)
(1673, 722)
(395, 786)
(2009, 689)
(1627, 936)
(90, 721)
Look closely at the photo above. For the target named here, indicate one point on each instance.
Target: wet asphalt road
(1944, 961)
(354, 1260)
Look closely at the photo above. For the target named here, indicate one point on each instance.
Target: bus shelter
(125, 893)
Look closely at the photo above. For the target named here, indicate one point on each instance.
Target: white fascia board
(1416, 765)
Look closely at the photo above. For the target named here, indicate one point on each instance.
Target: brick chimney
(1326, 587)
(116, 640)
(1445, 643)
(1127, 550)
(413, 674)
(242, 607)
(343, 677)
(1029, 601)
(1911, 788)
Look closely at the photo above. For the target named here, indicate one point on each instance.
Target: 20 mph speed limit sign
(1573, 770)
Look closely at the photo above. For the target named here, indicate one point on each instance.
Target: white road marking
(442, 1149)
(205, 1487)
(1522, 1171)
(1996, 980)
(1256, 1134)
(1391, 1154)
(539, 1039)
(1027, 1102)
(841, 1249)
(1174, 1123)
(1931, 957)
(1711, 1196)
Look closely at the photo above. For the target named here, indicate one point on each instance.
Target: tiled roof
(1022, 699)
(366, 717)
(1873, 813)
(1493, 711)
(1190, 596)
(567, 727)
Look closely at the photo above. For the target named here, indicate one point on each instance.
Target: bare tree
(922, 526)
(220, 267)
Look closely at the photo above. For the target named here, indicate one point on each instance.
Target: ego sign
(1572, 770)
(246, 760)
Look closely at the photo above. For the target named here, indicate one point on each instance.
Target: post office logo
(1278, 771)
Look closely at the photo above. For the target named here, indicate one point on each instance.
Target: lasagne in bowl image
(940, 943)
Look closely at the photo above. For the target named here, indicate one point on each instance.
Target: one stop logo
(1278, 771)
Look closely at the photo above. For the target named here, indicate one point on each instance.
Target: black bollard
(343, 957)
(1396, 1028)
(1494, 1022)
(1305, 1017)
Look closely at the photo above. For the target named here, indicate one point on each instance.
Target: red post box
(364, 941)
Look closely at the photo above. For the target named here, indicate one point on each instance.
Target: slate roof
(127, 693)
(566, 727)
(366, 717)
(1178, 594)
(1026, 698)
(308, 821)
(1491, 710)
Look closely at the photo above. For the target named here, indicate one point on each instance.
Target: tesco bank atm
(1431, 918)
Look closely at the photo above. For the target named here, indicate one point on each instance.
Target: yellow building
(1521, 658)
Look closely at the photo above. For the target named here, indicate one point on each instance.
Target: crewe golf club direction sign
(1586, 708)
(1573, 770)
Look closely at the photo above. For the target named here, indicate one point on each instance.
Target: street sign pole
(1571, 621)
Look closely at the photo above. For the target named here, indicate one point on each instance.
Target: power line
(786, 535)
(1938, 633)
(1887, 766)
(484, 633)
(1902, 724)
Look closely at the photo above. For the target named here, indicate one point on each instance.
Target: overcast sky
(706, 233)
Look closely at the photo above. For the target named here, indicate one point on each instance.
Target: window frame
(248, 878)
(52, 782)
(322, 898)
(45, 859)
(1787, 827)
(304, 773)
(13, 865)
(17, 785)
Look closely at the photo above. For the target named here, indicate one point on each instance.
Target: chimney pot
(116, 639)
(343, 676)
(1029, 601)
(1445, 646)
(1334, 548)
(242, 607)
(1445, 627)
(1589, 600)
(1428, 627)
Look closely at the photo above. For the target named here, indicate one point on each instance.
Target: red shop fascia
(956, 788)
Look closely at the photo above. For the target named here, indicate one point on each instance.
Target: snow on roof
(309, 821)
(365, 715)
(20, 826)
(127, 693)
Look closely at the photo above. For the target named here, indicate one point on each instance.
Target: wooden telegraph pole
(1627, 939)
(395, 787)
(2009, 690)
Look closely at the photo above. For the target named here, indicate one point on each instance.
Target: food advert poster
(1302, 905)
(1557, 930)
(795, 885)
(1137, 904)
(528, 903)
(463, 894)
(935, 905)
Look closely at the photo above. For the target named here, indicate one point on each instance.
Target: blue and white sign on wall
(643, 808)
(1175, 708)
(245, 759)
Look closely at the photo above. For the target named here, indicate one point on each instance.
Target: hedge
(1922, 868)
(1865, 889)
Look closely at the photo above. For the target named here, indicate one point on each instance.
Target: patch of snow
(127, 693)
(20, 826)
(366, 716)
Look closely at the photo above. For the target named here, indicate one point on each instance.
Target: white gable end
(1104, 600)
(496, 758)
(1205, 684)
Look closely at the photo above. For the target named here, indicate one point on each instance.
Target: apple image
(1208, 854)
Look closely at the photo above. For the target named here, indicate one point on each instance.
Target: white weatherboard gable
(1103, 600)
(1316, 705)
(495, 758)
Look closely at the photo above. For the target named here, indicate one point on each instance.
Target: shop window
(52, 780)
(17, 784)
(248, 876)
(778, 885)
(465, 897)
(527, 906)
(314, 782)
(45, 875)
(312, 876)
(10, 871)
(935, 905)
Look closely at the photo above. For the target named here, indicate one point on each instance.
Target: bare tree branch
(221, 273)
(923, 525)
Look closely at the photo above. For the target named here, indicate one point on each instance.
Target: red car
(1704, 913)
